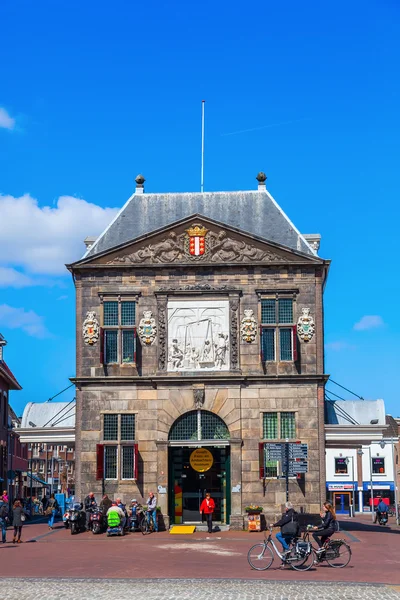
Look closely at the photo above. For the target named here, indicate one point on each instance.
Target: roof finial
(139, 184)
(261, 178)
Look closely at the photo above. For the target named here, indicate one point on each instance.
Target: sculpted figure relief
(248, 327)
(217, 246)
(90, 328)
(147, 328)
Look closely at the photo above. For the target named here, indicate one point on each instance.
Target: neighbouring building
(199, 320)
(17, 458)
(8, 382)
(48, 428)
(361, 451)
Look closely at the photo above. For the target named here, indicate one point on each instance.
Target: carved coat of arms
(305, 326)
(248, 326)
(197, 240)
(147, 328)
(90, 328)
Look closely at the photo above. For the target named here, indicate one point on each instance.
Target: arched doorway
(199, 462)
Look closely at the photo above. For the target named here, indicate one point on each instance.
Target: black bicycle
(337, 553)
(147, 523)
(300, 558)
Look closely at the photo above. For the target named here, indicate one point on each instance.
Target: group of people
(289, 524)
(108, 506)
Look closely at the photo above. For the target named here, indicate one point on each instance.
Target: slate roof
(48, 414)
(253, 212)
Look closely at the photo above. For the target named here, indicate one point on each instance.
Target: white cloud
(40, 240)
(6, 122)
(369, 322)
(62, 298)
(18, 318)
(338, 346)
(10, 277)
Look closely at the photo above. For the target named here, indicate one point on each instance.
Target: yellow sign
(201, 460)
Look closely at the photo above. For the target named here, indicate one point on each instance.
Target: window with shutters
(118, 332)
(278, 331)
(119, 453)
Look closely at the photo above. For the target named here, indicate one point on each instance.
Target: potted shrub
(253, 509)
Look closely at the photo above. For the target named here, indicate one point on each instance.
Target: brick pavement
(70, 589)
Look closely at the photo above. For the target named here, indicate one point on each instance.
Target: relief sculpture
(198, 338)
(198, 244)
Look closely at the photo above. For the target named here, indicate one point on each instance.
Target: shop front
(383, 490)
(341, 494)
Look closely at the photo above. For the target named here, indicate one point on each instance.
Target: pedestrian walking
(207, 508)
(3, 521)
(51, 510)
(18, 521)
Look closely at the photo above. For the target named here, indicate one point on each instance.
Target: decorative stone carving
(198, 287)
(147, 328)
(198, 338)
(248, 328)
(162, 333)
(199, 396)
(197, 244)
(90, 328)
(305, 326)
(234, 310)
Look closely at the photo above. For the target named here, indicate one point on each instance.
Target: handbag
(291, 528)
(48, 511)
(23, 518)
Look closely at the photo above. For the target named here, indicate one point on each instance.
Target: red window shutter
(294, 342)
(101, 346)
(134, 344)
(261, 447)
(136, 464)
(100, 461)
(262, 345)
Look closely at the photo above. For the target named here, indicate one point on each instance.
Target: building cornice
(203, 378)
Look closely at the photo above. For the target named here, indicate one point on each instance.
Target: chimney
(261, 178)
(139, 184)
(2, 344)
(89, 241)
(314, 239)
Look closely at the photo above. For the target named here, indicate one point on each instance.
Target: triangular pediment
(198, 241)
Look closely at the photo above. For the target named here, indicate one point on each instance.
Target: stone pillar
(321, 442)
(162, 479)
(236, 521)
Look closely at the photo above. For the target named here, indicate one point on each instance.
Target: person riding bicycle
(152, 509)
(381, 509)
(289, 524)
(328, 526)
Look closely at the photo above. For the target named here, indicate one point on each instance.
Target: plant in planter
(254, 509)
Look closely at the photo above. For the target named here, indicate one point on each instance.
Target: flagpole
(202, 146)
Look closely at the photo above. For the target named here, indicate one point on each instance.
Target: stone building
(199, 339)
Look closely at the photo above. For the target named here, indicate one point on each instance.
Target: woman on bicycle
(289, 524)
(328, 526)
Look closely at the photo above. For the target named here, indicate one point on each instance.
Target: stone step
(201, 527)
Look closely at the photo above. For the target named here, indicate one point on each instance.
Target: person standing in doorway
(18, 521)
(207, 507)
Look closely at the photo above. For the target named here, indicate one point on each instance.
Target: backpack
(4, 511)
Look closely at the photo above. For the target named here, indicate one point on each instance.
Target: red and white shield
(197, 245)
(197, 239)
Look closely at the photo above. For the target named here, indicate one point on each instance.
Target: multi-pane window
(279, 425)
(278, 336)
(119, 332)
(119, 458)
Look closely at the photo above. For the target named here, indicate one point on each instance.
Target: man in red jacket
(207, 507)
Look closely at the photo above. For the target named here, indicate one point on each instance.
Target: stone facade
(238, 392)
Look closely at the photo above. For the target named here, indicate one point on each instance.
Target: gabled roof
(253, 212)
(6, 373)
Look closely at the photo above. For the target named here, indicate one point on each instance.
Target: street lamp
(396, 503)
(353, 483)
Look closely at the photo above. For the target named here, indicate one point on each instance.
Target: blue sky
(93, 93)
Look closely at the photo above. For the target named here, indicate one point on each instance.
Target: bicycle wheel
(303, 563)
(144, 527)
(260, 557)
(338, 555)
